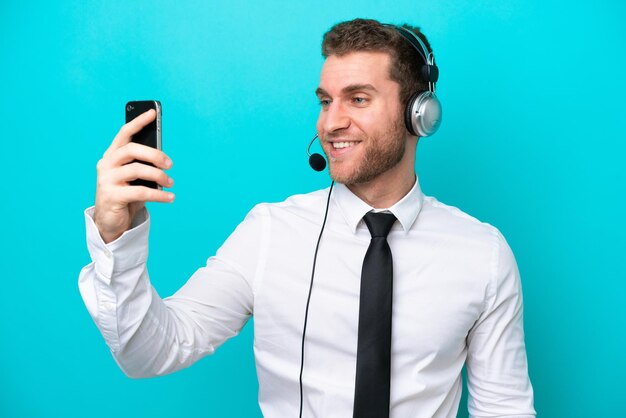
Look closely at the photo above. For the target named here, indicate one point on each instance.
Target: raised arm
(147, 335)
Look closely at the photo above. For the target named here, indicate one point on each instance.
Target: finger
(129, 129)
(129, 194)
(134, 151)
(134, 171)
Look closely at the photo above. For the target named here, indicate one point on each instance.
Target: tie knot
(379, 224)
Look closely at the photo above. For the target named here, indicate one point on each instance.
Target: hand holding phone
(117, 198)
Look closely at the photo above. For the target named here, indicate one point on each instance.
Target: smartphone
(150, 135)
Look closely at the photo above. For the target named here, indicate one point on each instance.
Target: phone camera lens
(129, 108)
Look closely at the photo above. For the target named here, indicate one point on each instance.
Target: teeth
(343, 144)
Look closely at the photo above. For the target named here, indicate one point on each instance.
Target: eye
(359, 100)
(324, 103)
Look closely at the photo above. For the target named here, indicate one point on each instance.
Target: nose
(332, 119)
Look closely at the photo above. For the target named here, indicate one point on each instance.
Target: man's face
(360, 124)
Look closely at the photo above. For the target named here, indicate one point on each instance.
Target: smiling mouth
(340, 145)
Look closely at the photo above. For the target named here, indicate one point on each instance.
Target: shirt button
(108, 306)
(108, 255)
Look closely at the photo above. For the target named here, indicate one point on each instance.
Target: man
(456, 293)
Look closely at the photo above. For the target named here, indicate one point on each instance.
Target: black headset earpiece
(422, 115)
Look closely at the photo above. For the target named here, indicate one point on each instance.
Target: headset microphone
(316, 161)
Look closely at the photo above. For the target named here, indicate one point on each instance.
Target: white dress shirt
(457, 298)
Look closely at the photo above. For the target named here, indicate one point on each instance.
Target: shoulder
(453, 223)
(477, 246)
(266, 219)
(299, 205)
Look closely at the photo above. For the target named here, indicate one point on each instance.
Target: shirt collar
(353, 208)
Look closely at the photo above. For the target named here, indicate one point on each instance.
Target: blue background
(531, 142)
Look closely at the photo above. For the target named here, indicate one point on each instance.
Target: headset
(422, 117)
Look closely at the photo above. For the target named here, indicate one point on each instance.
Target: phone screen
(150, 135)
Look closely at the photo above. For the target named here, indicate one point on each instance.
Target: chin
(341, 174)
(348, 177)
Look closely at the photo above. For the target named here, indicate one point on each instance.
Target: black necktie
(373, 361)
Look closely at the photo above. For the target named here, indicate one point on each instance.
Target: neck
(391, 186)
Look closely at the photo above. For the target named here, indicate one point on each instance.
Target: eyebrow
(348, 89)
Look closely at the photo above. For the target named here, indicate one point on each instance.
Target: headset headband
(430, 72)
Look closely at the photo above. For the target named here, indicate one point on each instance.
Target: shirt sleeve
(497, 369)
(149, 336)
